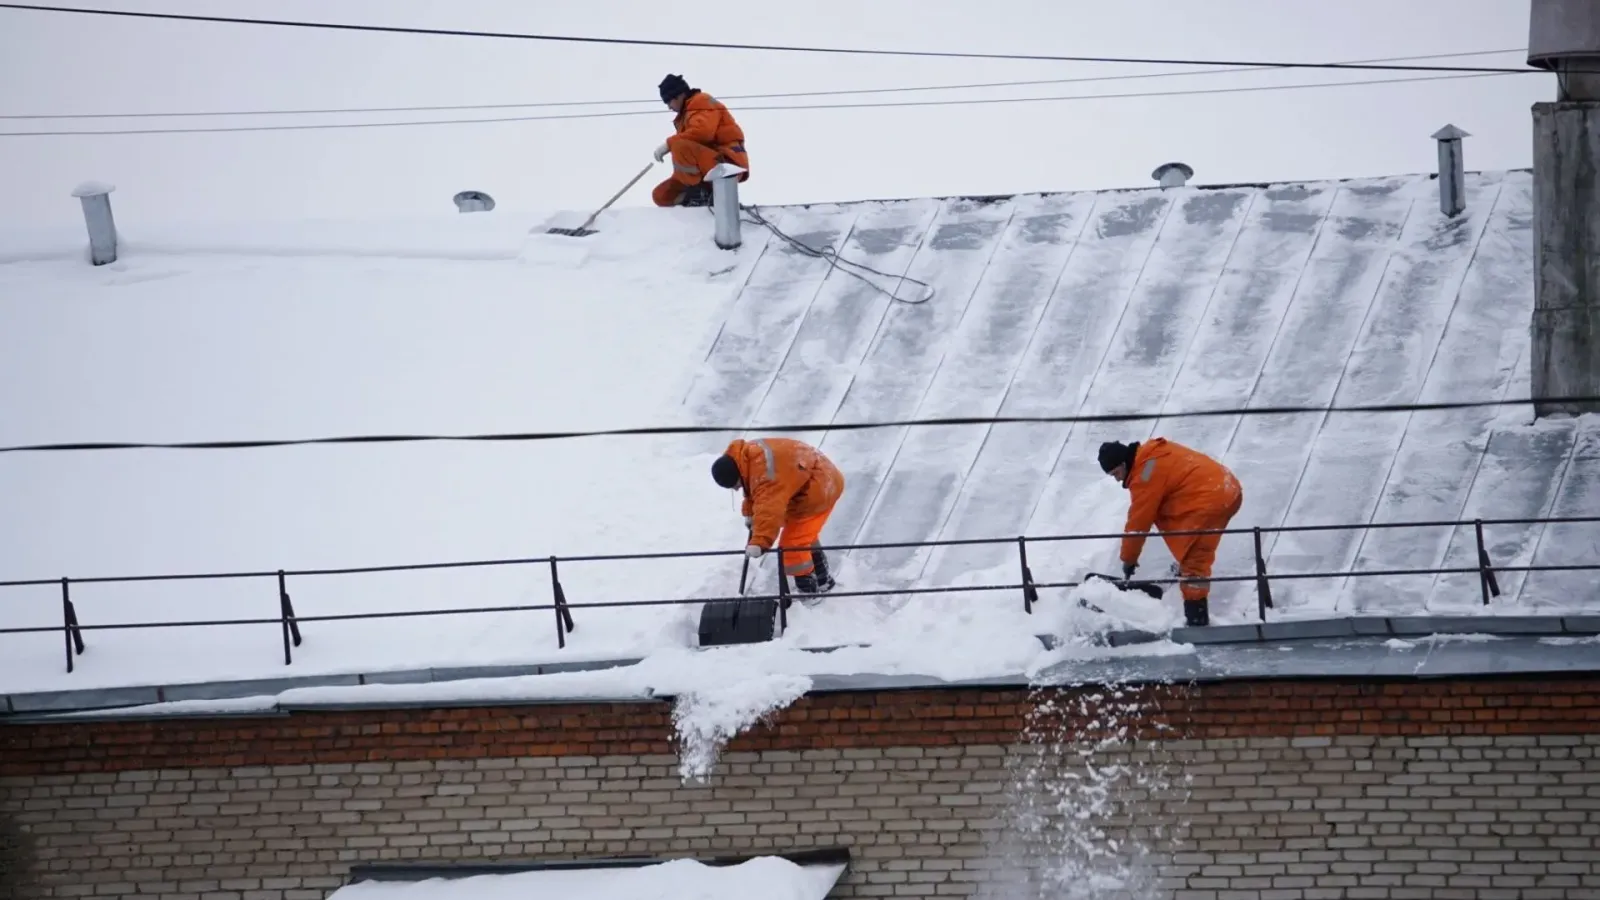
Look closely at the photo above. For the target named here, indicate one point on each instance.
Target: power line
(774, 96)
(780, 429)
(785, 48)
(322, 126)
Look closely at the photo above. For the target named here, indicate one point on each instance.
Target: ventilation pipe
(725, 204)
(96, 199)
(1173, 174)
(1452, 171)
(1564, 38)
(473, 201)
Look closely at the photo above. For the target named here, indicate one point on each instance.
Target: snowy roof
(1355, 292)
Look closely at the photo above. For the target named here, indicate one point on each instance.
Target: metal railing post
(1030, 594)
(783, 593)
(1263, 585)
(1487, 581)
(564, 625)
(69, 624)
(291, 626)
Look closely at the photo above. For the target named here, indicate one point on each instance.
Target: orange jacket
(784, 479)
(705, 120)
(1174, 488)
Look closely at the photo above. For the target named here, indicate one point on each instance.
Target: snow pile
(1079, 795)
(707, 718)
(769, 877)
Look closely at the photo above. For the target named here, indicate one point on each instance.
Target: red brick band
(873, 719)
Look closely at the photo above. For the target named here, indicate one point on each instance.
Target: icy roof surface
(1355, 292)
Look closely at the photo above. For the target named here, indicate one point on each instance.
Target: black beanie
(1113, 454)
(725, 472)
(672, 86)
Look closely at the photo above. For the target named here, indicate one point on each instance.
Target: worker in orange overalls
(706, 135)
(789, 486)
(1175, 488)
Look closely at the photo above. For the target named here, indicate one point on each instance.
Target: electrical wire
(660, 430)
(839, 263)
(785, 48)
(323, 126)
(456, 107)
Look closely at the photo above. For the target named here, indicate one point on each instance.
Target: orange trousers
(796, 540)
(1195, 553)
(691, 162)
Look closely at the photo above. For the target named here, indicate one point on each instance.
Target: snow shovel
(1149, 587)
(584, 230)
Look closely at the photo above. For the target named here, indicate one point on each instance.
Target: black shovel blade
(571, 232)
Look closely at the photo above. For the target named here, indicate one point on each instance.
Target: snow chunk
(707, 719)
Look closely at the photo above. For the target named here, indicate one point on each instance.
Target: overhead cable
(662, 430)
(980, 101)
(655, 104)
(783, 48)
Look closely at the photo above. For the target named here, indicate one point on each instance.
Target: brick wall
(1269, 791)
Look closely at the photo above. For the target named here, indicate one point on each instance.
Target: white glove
(661, 152)
(749, 521)
(753, 551)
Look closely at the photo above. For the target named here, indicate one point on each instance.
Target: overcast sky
(55, 63)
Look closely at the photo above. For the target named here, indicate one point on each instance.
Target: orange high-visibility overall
(1176, 488)
(706, 135)
(790, 490)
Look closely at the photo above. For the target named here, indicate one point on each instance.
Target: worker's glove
(661, 152)
(754, 551)
(749, 521)
(1127, 570)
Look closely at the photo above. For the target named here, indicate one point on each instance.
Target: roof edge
(1233, 640)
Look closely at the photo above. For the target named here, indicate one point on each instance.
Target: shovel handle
(614, 197)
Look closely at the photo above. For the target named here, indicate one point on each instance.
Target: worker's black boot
(697, 195)
(1197, 613)
(819, 562)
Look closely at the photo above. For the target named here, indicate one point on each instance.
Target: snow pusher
(1148, 587)
(584, 230)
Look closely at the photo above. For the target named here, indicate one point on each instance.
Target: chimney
(1564, 37)
(96, 199)
(1452, 171)
(1172, 174)
(725, 204)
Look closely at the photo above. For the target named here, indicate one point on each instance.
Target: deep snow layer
(1352, 292)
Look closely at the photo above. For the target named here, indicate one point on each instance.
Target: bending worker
(1175, 488)
(789, 487)
(705, 135)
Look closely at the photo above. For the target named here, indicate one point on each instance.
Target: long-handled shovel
(584, 230)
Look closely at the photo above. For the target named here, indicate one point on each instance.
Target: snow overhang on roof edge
(1347, 648)
(420, 871)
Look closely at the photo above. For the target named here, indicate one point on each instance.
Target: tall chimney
(1564, 37)
(1452, 171)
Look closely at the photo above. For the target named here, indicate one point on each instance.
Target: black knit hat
(725, 472)
(1113, 454)
(673, 86)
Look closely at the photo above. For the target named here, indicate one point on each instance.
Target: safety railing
(288, 622)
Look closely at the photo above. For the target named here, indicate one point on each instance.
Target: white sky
(53, 63)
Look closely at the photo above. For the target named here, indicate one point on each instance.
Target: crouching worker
(706, 135)
(1175, 488)
(789, 487)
